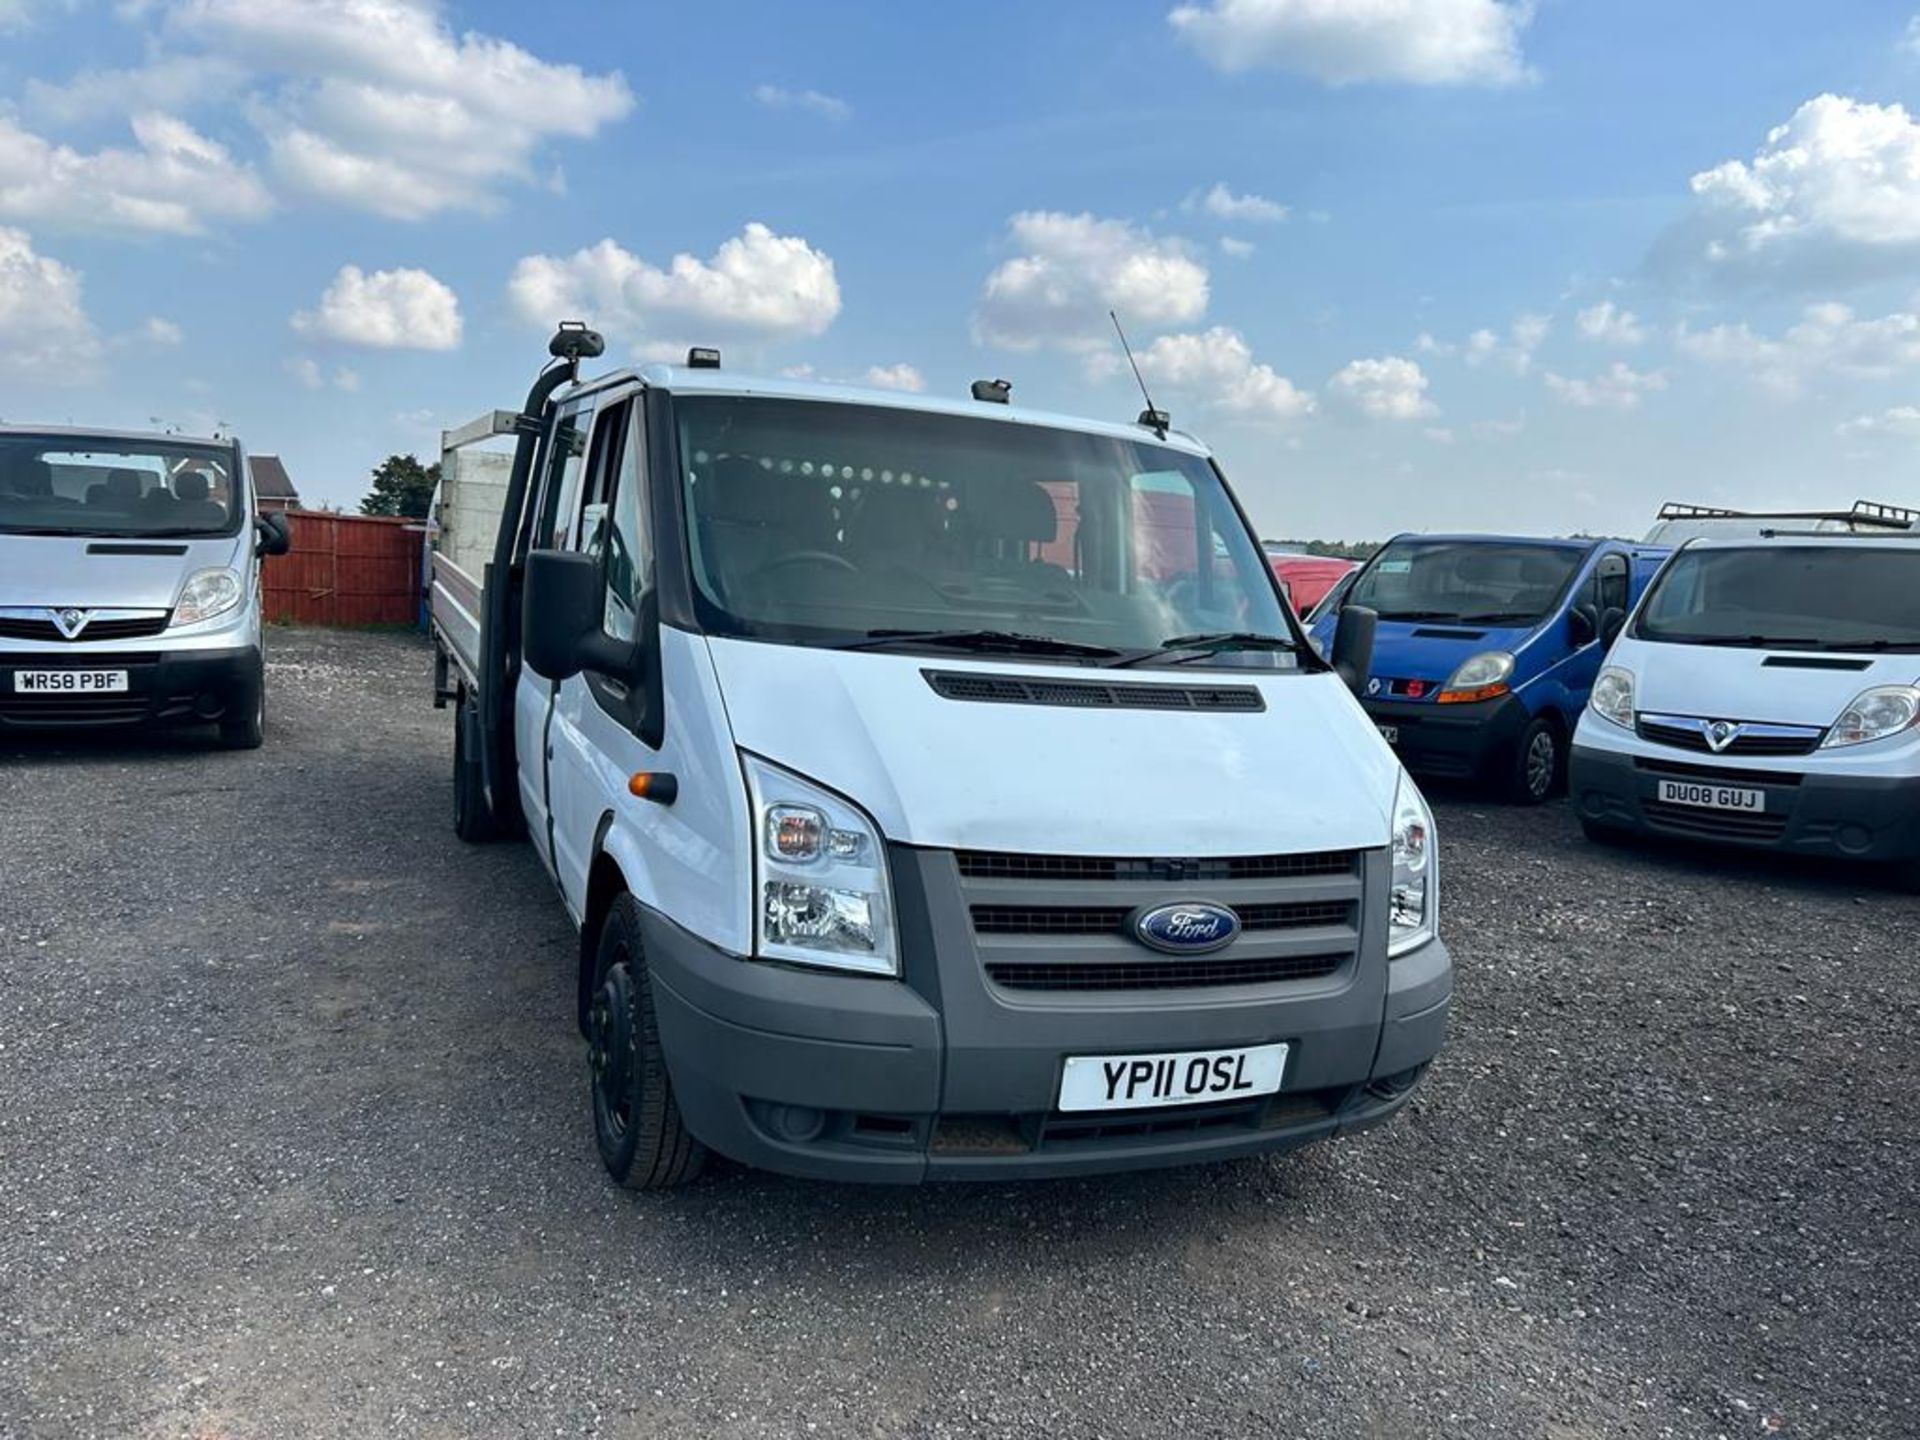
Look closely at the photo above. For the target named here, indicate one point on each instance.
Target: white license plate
(1187, 1077)
(1389, 733)
(60, 682)
(1706, 796)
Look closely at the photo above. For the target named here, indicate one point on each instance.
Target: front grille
(1112, 919)
(138, 628)
(1090, 694)
(1685, 738)
(1718, 774)
(997, 865)
(1167, 974)
(1714, 824)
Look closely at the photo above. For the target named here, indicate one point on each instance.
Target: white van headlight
(1875, 714)
(206, 594)
(821, 895)
(1480, 677)
(1612, 696)
(1413, 901)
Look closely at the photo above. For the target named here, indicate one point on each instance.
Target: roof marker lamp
(1480, 677)
(1413, 905)
(822, 895)
(1875, 714)
(1612, 696)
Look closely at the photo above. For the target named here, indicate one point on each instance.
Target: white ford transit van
(1765, 694)
(129, 582)
(942, 790)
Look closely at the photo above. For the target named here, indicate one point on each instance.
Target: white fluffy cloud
(1217, 368)
(44, 330)
(1831, 195)
(1223, 204)
(385, 310)
(377, 104)
(758, 286)
(1345, 42)
(1389, 388)
(1618, 387)
(1514, 350)
(1829, 339)
(1902, 422)
(174, 182)
(1072, 270)
(1607, 324)
(818, 102)
(894, 377)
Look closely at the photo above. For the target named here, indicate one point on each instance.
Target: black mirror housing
(273, 536)
(560, 623)
(1353, 646)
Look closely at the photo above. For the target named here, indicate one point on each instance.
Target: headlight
(1413, 902)
(1480, 677)
(1875, 714)
(206, 594)
(821, 895)
(1612, 696)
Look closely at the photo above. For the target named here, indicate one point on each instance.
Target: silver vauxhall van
(130, 582)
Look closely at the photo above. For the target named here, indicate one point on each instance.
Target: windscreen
(824, 523)
(78, 485)
(1814, 597)
(1480, 582)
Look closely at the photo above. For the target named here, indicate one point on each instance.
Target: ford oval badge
(1188, 927)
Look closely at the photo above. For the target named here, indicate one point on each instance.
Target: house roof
(270, 478)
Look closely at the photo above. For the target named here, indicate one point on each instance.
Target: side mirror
(1353, 646)
(1612, 623)
(560, 622)
(273, 536)
(1583, 626)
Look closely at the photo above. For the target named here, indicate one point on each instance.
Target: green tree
(401, 486)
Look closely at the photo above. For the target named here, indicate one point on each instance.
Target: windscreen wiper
(1197, 645)
(1009, 642)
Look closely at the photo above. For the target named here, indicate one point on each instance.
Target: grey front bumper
(943, 1076)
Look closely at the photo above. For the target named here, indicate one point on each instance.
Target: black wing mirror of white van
(272, 535)
(1353, 646)
(561, 631)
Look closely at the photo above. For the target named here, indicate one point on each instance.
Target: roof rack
(1864, 512)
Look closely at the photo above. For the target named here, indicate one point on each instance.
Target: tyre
(644, 1143)
(1538, 759)
(248, 732)
(473, 818)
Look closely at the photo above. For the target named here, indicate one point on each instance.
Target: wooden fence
(346, 570)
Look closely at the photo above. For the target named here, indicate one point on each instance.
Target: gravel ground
(293, 1141)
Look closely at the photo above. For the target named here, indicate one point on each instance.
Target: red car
(1307, 578)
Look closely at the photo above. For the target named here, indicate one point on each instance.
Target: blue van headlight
(1413, 898)
(821, 893)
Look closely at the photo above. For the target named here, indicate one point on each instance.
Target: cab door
(556, 511)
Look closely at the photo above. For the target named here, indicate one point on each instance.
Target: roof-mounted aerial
(993, 392)
(703, 357)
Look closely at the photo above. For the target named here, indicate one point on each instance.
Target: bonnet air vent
(1090, 694)
(1813, 662)
(1429, 633)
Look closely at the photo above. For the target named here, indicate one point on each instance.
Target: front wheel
(248, 732)
(644, 1143)
(1537, 761)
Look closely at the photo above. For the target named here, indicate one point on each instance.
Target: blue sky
(1405, 263)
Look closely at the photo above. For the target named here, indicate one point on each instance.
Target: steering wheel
(807, 557)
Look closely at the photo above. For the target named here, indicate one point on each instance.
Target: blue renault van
(1487, 646)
